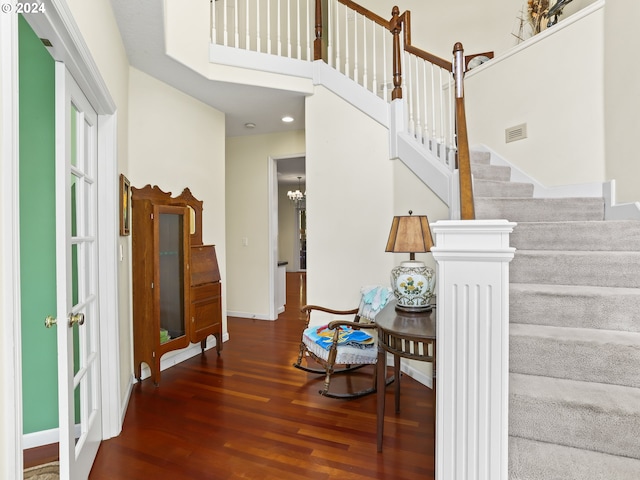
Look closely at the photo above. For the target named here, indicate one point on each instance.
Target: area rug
(48, 471)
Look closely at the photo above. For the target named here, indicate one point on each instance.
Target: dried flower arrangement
(536, 14)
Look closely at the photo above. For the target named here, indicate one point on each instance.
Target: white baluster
(385, 67)
(409, 93)
(337, 24)
(235, 26)
(269, 27)
(356, 75)
(279, 29)
(247, 38)
(224, 23)
(258, 36)
(442, 121)
(329, 34)
(347, 70)
(416, 89)
(433, 109)
(213, 22)
(425, 134)
(374, 53)
(298, 45)
(289, 28)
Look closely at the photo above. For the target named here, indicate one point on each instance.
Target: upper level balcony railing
(370, 50)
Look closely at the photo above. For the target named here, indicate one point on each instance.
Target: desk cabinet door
(206, 311)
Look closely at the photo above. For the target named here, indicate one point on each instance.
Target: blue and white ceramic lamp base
(413, 285)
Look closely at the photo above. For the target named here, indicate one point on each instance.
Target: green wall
(37, 231)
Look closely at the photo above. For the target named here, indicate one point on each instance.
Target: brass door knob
(76, 318)
(50, 321)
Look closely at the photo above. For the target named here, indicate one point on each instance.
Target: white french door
(77, 313)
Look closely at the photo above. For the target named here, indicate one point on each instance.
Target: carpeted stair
(574, 410)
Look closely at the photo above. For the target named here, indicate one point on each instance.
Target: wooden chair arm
(308, 308)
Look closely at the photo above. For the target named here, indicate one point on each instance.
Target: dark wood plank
(249, 414)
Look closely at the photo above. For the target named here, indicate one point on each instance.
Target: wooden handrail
(467, 209)
(366, 13)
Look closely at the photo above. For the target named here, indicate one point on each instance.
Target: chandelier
(296, 196)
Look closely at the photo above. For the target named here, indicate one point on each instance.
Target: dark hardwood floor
(249, 414)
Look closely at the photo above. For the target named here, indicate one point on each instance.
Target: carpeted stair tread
(540, 209)
(494, 188)
(607, 235)
(491, 172)
(607, 308)
(604, 269)
(574, 311)
(583, 354)
(532, 460)
(593, 416)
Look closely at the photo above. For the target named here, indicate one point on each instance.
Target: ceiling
(141, 25)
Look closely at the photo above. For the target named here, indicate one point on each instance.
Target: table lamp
(413, 283)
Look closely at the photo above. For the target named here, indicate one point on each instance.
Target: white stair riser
(584, 425)
(584, 360)
(575, 306)
(601, 236)
(529, 459)
(605, 269)
(540, 209)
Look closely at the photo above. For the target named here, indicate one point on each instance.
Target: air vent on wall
(518, 132)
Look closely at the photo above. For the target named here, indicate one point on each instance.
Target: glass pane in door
(171, 276)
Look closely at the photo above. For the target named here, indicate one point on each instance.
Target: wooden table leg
(381, 374)
(396, 373)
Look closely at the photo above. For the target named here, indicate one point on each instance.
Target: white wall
(349, 201)
(480, 26)
(555, 86)
(622, 101)
(248, 160)
(176, 142)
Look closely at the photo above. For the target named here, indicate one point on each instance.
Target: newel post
(473, 348)
(395, 26)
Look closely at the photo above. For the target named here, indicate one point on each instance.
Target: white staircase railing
(276, 27)
(368, 49)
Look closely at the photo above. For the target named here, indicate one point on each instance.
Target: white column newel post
(472, 356)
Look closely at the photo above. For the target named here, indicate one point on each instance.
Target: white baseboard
(417, 375)
(170, 359)
(38, 439)
(125, 403)
(254, 316)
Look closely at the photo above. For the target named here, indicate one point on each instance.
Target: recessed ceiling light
(249, 125)
(287, 119)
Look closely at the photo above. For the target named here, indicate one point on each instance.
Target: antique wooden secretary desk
(176, 279)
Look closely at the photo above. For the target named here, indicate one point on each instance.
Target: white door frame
(57, 25)
(10, 341)
(272, 174)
